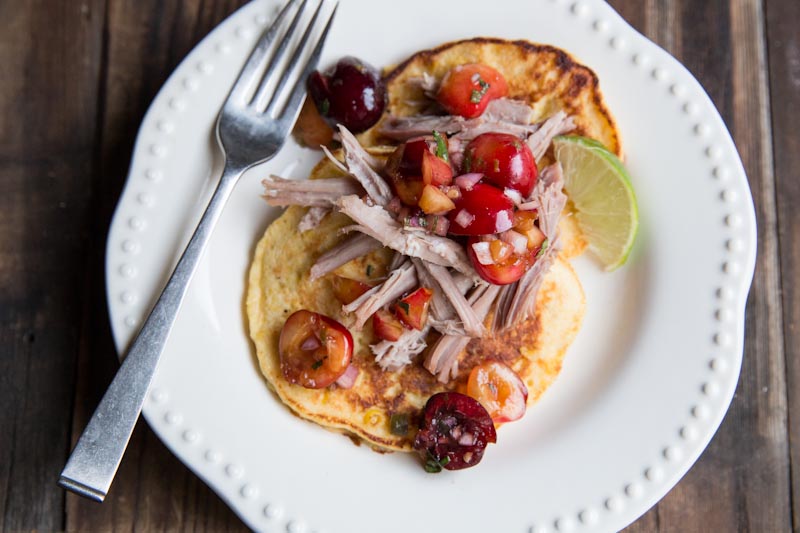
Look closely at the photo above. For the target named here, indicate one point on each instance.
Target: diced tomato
(535, 238)
(346, 290)
(504, 160)
(466, 90)
(500, 250)
(435, 170)
(499, 389)
(487, 209)
(434, 202)
(315, 350)
(409, 190)
(503, 272)
(413, 309)
(524, 220)
(386, 325)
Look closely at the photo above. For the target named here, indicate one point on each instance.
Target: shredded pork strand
(312, 193)
(473, 326)
(395, 355)
(518, 301)
(363, 167)
(540, 140)
(312, 218)
(398, 283)
(380, 225)
(442, 360)
(351, 247)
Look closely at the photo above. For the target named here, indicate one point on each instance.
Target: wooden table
(75, 80)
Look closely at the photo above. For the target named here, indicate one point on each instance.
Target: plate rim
(235, 494)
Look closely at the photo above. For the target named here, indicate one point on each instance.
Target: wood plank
(47, 94)
(722, 492)
(784, 75)
(153, 490)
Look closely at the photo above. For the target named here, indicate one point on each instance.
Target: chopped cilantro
(404, 306)
(477, 94)
(369, 270)
(398, 424)
(434, 465)
(324, 107)
(316, 364)
(441, 146)
(545, 244)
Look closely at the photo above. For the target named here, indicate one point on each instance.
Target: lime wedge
(600, 189)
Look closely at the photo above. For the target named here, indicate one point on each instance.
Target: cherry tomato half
(504, 160)
(488, 211)
(499, 389)
(314, 349)
(454, 432)
(466, 90)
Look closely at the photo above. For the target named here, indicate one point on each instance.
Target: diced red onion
(311, 343)
(348, 379)
(502, 222)
(440, 226)
(415, 221)
(483, 253)
(394, 205)
(468, 181)
(517, 240)
(466, 439)
(464, 218)
(514, 194)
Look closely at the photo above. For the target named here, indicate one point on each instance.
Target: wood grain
(45, 145)
(722, 43)
(76, 77)
(784, 77)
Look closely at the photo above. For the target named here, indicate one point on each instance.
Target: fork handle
(96, 457)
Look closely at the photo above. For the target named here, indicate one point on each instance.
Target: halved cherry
(499, 389)
(482, 210)
(454, 432)
(314, 349)
(347, 290)
(413, 309)
(386, 325)
(504, 160)
(466, 90)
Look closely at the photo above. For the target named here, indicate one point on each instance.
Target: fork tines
(282, 56)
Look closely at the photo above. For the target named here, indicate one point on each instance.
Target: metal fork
(252, 125)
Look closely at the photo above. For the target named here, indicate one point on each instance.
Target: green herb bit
(545, 244)
(369, 270)
(316, 364)
(441, 146)
(398, 424)
(477, 95)
(404, 306)
(434, 465)
(324, 107)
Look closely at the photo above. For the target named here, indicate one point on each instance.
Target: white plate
(643, 388)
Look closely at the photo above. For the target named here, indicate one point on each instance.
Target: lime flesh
(601, 192)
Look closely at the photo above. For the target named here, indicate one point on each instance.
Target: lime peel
(600, 189)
